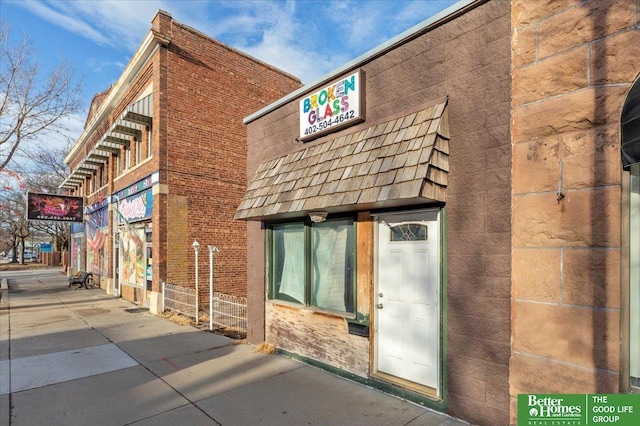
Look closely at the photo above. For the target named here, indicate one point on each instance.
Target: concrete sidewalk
(80, 357)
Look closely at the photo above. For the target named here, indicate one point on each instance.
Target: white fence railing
(229, 312)
(179, 299)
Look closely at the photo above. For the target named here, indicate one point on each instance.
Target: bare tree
(49, 172)
(31, 102)
(47, 168)
(13, 222)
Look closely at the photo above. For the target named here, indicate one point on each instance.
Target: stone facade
(573, 62)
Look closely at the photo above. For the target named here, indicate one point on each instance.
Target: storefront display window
(96, 227)
(313, 264)
(77, 258)
(132, 252)
(148, 239)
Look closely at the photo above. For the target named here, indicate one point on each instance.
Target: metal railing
(229, 312)
(179, 299)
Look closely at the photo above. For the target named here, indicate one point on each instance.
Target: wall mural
(97, 231)
(132, 268)
(77, 261)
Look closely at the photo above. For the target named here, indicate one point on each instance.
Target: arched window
(630, 133)
(631, 127)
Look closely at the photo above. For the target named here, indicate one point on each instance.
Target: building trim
(142, 56)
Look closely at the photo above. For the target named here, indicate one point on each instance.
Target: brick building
(448, 218)
(161, 163)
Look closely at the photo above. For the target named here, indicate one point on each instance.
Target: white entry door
(407, 340)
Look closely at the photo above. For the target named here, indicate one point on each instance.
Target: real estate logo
(578, 409)
(551, 409)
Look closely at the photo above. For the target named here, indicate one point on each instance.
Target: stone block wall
(572, 64)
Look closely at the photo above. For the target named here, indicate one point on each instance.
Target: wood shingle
(401, 161)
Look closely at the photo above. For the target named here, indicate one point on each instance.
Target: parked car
(29, 255)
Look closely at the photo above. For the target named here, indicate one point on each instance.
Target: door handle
(379, 306)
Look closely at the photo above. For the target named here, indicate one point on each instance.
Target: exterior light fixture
(212, 250)
(318, 216)
(196, 249)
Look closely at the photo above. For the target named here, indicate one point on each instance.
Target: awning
(631, 127)
(83, 172)
(125, 128)
(72, 182)
(68, 185)
(140, 112)
(87, 166)
(99, 155)
(131, 123)
(76, 176)
(105, 145)
(404, 161)
(93, 161)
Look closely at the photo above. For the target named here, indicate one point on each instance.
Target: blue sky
(307, 38)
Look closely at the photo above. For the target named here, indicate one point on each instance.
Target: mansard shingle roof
(397, 162)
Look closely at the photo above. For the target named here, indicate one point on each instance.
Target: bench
(83, 278)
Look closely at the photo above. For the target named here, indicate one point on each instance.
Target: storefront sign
(77, 228)
(55, 208)
(338, 105)
(97, 206)
(137, 207)
(578, 409)
(136, 187)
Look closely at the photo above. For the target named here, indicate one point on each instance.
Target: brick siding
(202, 92)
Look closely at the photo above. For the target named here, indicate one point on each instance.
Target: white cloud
(273, 33)
(65, 131)
(307, 38)
(117, 24)
(100, 65)
(70, 23)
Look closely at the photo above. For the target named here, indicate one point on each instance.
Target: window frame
(138, 150)
(149, 142)
(630, 232)
(127, 158)
(630, 276)
(350, 251)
